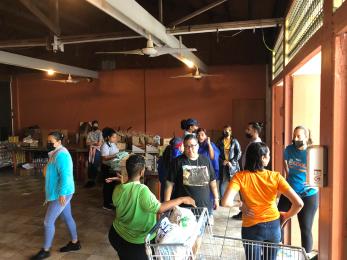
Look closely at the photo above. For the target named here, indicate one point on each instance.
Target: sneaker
(238, 216)
(41, 255)
(71, 247)
(312, 255)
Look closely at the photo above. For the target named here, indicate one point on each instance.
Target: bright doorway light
(312, 67)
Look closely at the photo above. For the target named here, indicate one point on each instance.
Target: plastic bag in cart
(182, 229)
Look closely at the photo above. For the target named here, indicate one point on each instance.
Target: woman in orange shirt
(259, 188)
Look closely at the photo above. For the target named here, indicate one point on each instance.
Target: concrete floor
(22, 213)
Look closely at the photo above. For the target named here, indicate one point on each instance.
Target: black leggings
(107, 187)
(305, 218)
(126, 250)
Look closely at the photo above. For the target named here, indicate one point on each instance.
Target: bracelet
(216, 199)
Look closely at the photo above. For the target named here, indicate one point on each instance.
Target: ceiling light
(50, 72)
(189, 63)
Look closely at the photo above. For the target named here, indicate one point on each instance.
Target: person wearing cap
(172, 151)
(189, 126)
(94, 141)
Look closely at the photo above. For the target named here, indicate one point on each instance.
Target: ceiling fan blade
(210, 75)
(168, 50)
(182, 76)
(57, 80)
(131, 52)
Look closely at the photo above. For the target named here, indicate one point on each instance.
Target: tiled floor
(22, 214)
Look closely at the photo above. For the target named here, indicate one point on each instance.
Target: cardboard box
(166, 141)
(122, 146)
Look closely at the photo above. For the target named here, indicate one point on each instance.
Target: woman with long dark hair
(259, 188)
(230, 154)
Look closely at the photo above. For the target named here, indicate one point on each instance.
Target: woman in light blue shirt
(59, 188)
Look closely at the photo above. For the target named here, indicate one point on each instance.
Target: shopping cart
(182, 251)
(243, 249)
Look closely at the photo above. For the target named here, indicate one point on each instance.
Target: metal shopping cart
(243, 249)
(206, 246)
(182, 251)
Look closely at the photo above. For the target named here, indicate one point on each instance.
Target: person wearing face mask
(189, 126)
(209, 150)
(172, 151)
(59, 189)
(252, 133)
(192, 175)
(259, 188)
(295, 162)
(109, 151)
(94, 141)
(230, 154)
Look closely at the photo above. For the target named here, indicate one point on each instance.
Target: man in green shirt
(136, 209)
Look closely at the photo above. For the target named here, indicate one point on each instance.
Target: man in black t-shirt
(192, 175)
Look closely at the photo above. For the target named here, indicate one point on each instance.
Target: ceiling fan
(69, 80)
(195, 75)
(150, 50)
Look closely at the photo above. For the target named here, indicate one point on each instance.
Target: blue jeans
(55, 210)
(265, 232)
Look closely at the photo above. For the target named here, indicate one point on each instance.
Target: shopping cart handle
(156, 226)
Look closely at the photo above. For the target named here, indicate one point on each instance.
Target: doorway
(306, 112)
(5, 110)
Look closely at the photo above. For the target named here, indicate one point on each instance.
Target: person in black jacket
(230, 154)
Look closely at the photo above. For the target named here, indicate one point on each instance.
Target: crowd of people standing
(193, 171)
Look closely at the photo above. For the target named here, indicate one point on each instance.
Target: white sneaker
(312, 254)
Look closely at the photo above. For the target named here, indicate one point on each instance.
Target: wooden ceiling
(74, 18)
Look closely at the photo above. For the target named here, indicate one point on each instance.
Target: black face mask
(94, 128)
(225, 133)
(50, 147)
(249, 136)
(298, 144)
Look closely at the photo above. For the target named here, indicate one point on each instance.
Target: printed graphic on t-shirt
(296, 165)
(195, 175)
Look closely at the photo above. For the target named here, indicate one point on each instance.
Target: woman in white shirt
(109, 151)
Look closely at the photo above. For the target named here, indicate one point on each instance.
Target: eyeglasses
(190, 146)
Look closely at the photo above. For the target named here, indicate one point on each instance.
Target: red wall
(119, 98)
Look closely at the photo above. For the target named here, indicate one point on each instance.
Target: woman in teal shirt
(59, 188)
(295, 159)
